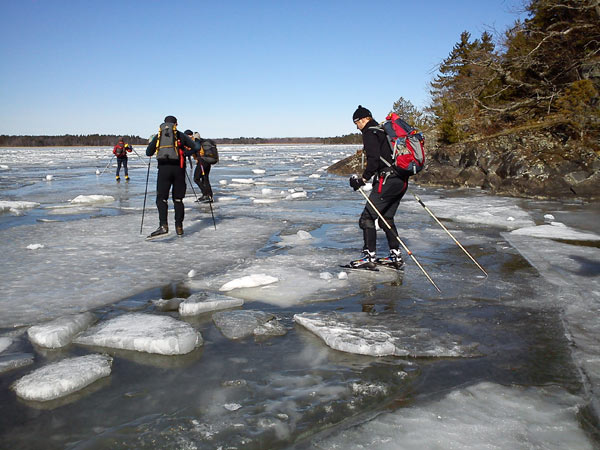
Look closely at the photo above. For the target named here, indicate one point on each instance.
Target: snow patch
(250, 281)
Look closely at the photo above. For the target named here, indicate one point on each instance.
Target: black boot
(163, 229)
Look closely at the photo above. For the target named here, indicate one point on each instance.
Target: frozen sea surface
(507, 361)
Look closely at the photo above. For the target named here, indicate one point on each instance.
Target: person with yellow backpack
(169, 145)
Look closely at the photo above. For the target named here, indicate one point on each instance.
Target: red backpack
(407, 144)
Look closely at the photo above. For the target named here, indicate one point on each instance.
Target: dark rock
(536, 163)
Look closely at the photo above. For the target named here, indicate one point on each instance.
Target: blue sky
(226, 69)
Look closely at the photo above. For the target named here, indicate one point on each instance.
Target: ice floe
(92, 199)
(63, 378)
(34, 246)
(495, 211)
(250, 281)
(59, 332)
(382, 335)
(556, 230)
(16, 207)
(203, 302)
(241, 324)
(142, 332)
(483, 416)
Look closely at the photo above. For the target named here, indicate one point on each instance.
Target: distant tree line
(107, 140)
(110, 140)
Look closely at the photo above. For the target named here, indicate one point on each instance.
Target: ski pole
(138, 155)
(145, 193)
(107, 165)
(449, 234)
(400, 240)
(209, 203)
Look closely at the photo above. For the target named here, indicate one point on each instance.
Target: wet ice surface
(518, 338)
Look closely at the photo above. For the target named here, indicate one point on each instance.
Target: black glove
(356, 182)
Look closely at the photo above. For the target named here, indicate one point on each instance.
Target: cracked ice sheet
(388, 334)
(89, 263)
(496, 211)
(485, 415)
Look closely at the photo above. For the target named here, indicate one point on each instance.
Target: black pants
(170, 176)
(201, 178)
(122, 161)
(386, 202)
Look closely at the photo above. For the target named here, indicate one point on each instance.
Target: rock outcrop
(535, 164)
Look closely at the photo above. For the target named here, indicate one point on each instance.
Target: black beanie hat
(170, 119)
(188, 132)
(361, 113)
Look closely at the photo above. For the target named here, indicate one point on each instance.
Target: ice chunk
(5, 342)
(556, 231)
(304, 234)
(12, 361)
(255, 280)
(222, 182)
(191, 273)
(548, 217)
(16, 207)
(201, 303)
(91, 199)
(325, 276)
(35, 246)
(63, 378)
(59, 332)
(241, 324)
(258, 171)
(49, 177)
(301, 194)
(242, 180)
(266, 191)
(232, 406)
(142, 332)
(389, 334)
(171, 304)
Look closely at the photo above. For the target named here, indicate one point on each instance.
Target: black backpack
(208, 151)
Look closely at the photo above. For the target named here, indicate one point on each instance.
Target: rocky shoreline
(531, 164)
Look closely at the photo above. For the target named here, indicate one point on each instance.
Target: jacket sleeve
(372, 146)
(151, 149)
(194, 147)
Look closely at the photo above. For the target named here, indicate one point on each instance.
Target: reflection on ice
(143, 333)
(62, 378)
